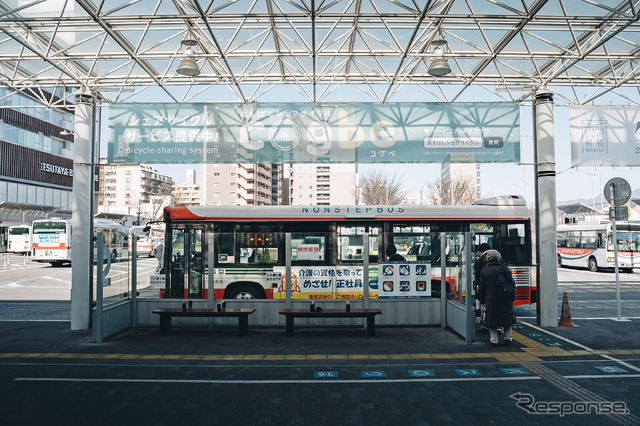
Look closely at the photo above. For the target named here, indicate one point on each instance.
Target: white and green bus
(327, 246)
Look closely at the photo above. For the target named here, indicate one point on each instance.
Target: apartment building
(188, 194)
(323, 184)
(36, 158)
(133, 189)
(236, 184)
(456, 172)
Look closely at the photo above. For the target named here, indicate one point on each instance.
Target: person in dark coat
(499, 309)
(392, 252)
(481, 262)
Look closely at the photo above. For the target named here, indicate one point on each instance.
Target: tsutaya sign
(314, 133)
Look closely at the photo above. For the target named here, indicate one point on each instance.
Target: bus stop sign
(621, 191)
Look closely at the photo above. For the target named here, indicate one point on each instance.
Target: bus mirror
(146, 229)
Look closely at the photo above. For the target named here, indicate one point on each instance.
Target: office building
(188, 194)
(36, 158)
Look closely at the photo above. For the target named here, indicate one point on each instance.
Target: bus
(148, 238)
(591, 246)
(19, 240)
(328, 242)
(51, 241)
(144, 246)
(113, 237)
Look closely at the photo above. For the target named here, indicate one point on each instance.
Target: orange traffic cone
(565, 313)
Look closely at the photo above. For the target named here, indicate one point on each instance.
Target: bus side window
(225, 248)
(514, 249)
(602, 240)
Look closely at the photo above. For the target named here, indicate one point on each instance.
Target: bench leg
(371, 325)
(290, 325)
(165, 324)
(243, 323)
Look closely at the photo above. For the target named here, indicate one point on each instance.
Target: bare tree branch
(460, 191)
(378, 188)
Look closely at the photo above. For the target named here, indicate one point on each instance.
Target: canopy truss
(580, 49)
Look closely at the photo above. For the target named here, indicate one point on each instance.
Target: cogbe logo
(284, 135)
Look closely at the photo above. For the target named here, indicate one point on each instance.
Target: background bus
(144, 245)
(149, 237)
(113, 238)
(591, 246)
(328, 240)
(19, 239)
(51, 241)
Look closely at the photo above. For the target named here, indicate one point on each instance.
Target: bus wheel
(559, 262)
(244, 291)
(55, 264)
(593, 265)
(628, 270)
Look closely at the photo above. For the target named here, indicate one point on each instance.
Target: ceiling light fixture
(188, 66)
(439, 65)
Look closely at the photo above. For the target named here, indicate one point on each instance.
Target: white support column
(546, 206)
(82, 199)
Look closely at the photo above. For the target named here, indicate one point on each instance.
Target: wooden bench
(167, 313)
(369, 314)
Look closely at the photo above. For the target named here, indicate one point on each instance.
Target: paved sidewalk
(403, 375)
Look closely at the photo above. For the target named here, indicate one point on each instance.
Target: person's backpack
(506, 284)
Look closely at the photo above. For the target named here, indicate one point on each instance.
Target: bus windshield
(18, 231)
(627, 241)
(49, 228)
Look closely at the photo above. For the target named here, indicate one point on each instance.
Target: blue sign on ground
(468, 372)
(325, 374)
(514, 371)
(374, 374)
(275, 133)
(611, 369)
(421, 373)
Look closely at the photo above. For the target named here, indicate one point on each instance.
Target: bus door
(185, 251)
(350, 252)
(195, 265)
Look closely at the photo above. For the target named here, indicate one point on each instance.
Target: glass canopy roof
(309, 50)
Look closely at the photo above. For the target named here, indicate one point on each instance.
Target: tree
(378, 188)
(460, 191)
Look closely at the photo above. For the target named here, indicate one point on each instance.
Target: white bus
(19, 239)
(51, 241)
(327, 246)
(113, 237)
(148, 238)
(591, 246)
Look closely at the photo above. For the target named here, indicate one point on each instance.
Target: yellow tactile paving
(171, 356)
(254, 357)
(232, 357)
(399, 356)
(377, 356)
(192, 357)
(212, 357)
(420, 356)
(274, 357)
(337, 357)
(316, 356)
(358, 356)
(531, 351)
(299, 357)
(151, 356)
